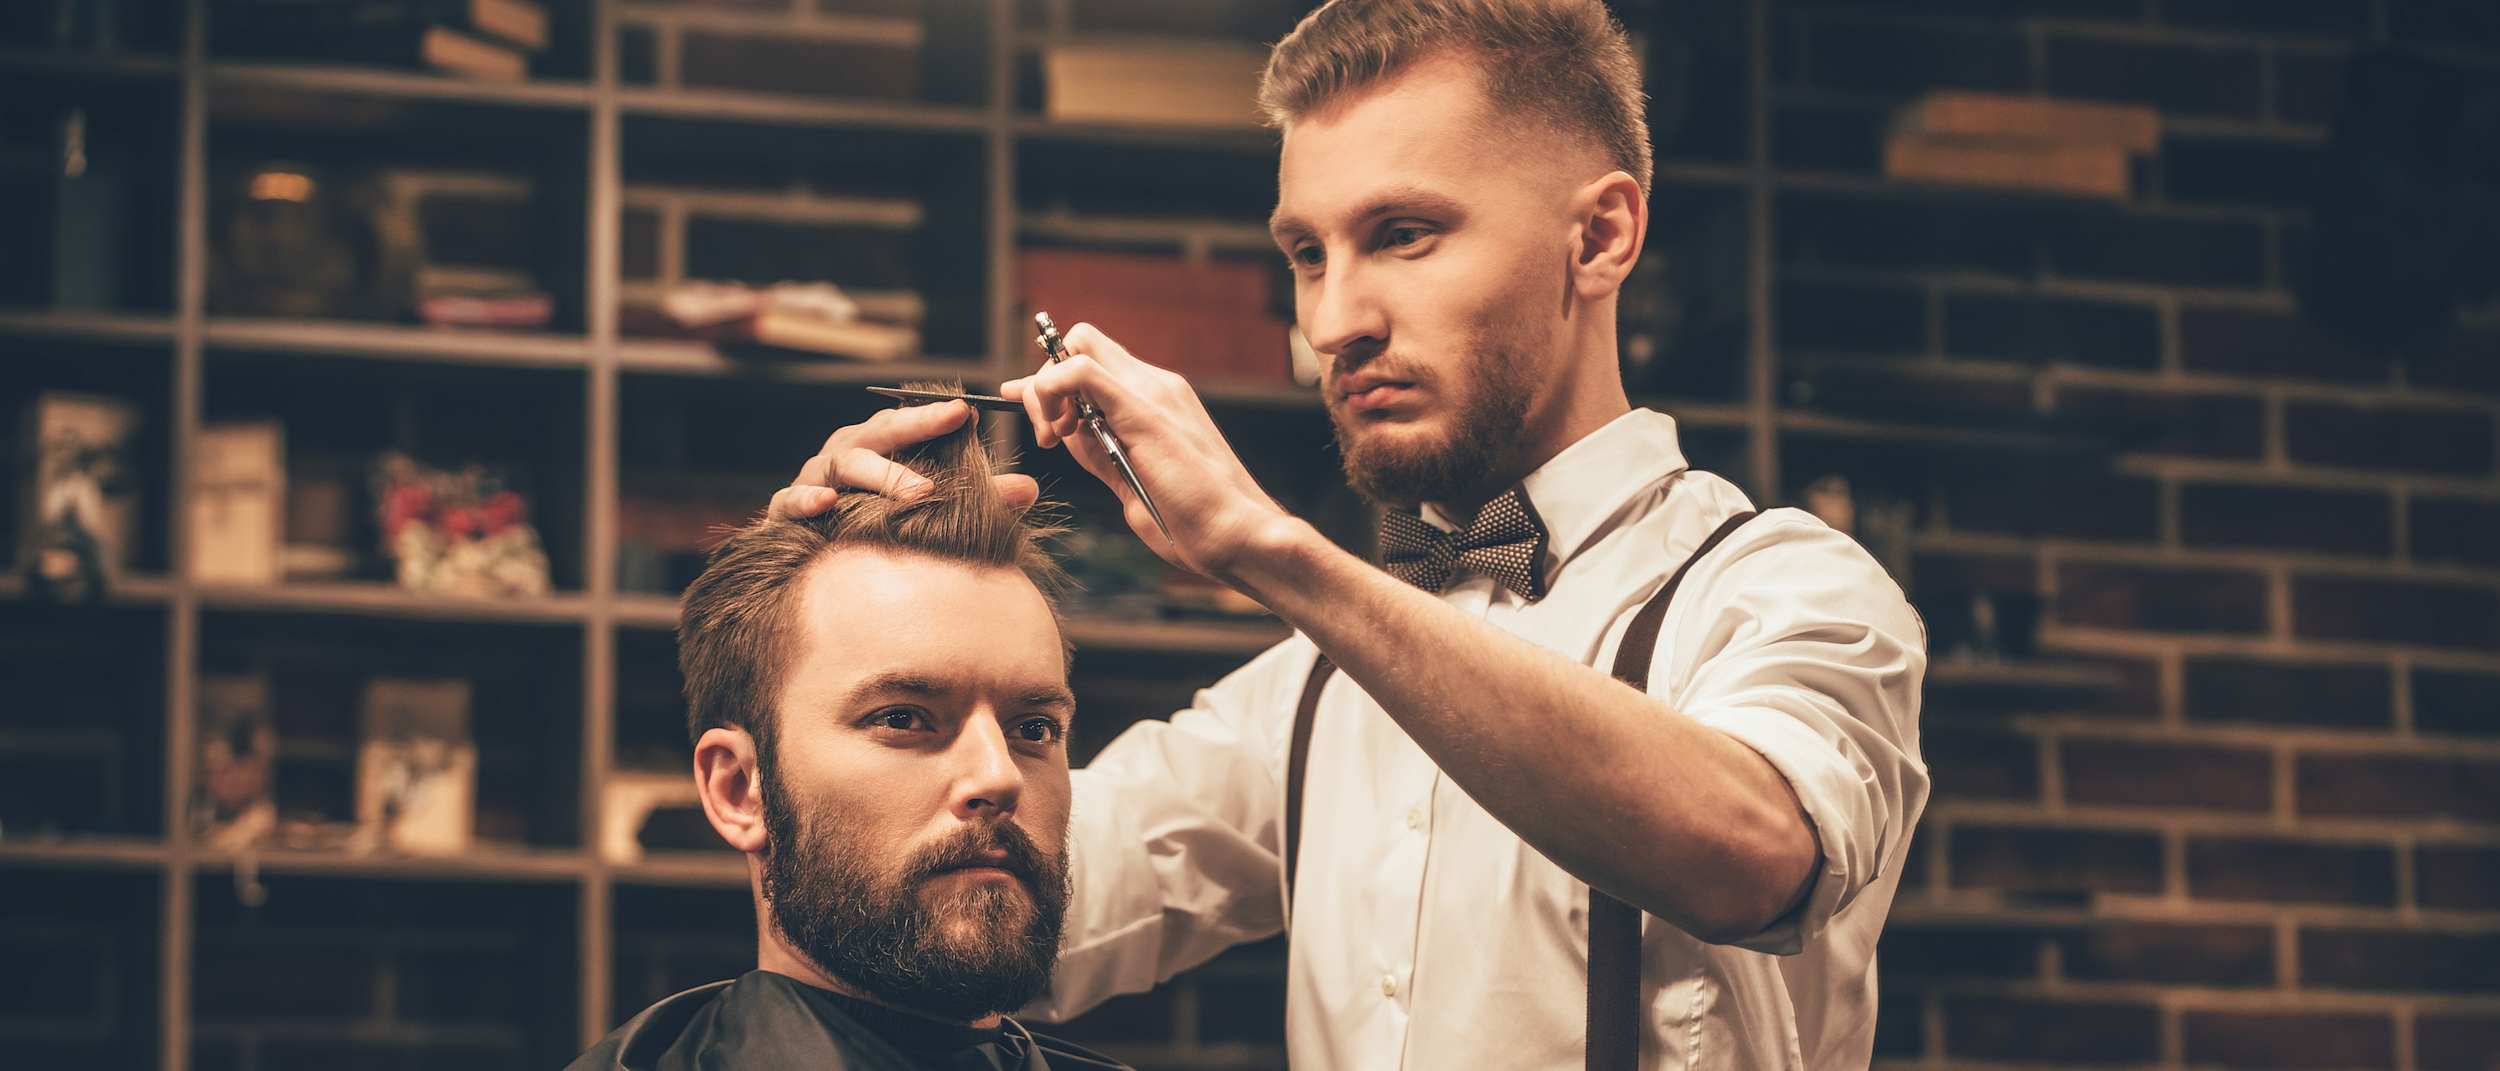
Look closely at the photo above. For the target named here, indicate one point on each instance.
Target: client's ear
(727, 777)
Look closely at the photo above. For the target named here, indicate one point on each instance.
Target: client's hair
(735, 632)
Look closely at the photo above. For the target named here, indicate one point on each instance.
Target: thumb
(1017, 490)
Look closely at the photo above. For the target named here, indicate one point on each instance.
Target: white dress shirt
(1427, 935)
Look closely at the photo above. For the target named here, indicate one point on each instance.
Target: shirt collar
(1580, 489)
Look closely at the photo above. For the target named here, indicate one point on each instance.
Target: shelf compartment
(313, 670)
(340, 206)
(84, 385)
(82, 738)
(340, 971)
(338, 418)
(87, 190)
(886, 214)
(669, 939)
(864, 52)
(78, 958)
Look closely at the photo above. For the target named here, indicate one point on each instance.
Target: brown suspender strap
(1296, 761)
(1614, 981)
(1614, 1042)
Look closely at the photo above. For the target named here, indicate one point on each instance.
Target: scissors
(1057, 348)
(1053, 345)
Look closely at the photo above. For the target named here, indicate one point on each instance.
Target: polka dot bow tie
(1506, 542)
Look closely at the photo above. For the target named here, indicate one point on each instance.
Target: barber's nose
(987, 781)
(1341, 317)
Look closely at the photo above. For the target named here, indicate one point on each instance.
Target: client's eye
(900, 719)
(1040, 730)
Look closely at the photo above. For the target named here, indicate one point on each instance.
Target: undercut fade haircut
(1565, 63)
(737, 631)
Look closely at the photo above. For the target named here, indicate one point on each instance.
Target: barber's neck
(1585, 394)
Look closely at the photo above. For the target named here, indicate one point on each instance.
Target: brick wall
(2275, 842)
(2243, 811)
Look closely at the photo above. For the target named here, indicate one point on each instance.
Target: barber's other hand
(1217, 513)
(856, 459)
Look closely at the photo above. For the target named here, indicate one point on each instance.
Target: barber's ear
(731, 784)
(1613, 223)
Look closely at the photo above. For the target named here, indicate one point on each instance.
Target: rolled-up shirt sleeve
(1799, 645)
(1174, 838)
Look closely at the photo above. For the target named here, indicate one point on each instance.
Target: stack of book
(805, 317)
(489, 39)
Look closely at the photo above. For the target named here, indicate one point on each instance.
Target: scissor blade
(925, 397)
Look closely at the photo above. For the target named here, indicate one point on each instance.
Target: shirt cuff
(1829, 790)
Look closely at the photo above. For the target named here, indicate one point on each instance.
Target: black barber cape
(764, 1020)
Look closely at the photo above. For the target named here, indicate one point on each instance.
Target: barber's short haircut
(1566, 63)
(737, 630)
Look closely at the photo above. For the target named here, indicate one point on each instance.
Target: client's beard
(879, 935)
(1490, 420)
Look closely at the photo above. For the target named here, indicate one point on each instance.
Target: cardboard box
(416, 769)
(237, 508)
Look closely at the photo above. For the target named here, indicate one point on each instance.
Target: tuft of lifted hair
(1564, 64)
(737, 630)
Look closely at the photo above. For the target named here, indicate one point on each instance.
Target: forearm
(1644, 803)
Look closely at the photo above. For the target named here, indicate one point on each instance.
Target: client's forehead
(918, 624)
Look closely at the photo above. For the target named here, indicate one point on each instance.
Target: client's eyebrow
(923, 686)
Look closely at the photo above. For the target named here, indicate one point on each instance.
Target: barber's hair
(737, 631)
(1565, 63)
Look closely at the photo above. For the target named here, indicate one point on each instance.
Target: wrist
(1271, 548)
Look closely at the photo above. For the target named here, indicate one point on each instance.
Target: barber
(1601, 768)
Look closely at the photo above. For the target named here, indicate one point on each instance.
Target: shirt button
(1415, 818)
(1388, 985)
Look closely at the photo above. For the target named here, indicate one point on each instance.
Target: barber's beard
(957, 955)
(1489, 394)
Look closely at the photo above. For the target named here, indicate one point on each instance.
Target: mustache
(1387, 365)
(974, 845)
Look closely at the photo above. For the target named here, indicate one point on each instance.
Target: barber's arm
(1679, 818)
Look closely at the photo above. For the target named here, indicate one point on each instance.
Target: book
(416, 768)
(80, 491)
(1205, 319)
(2131, 127)
(1171, 84)
(857, 339)
(237, 510)
(2095, 170)
(520, 23)
(452, 51)
(233, 804)
(445, 35)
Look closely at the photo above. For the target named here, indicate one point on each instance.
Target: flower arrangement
(457, 533)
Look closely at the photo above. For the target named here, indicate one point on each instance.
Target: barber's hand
(855, 458)
(1216, 511)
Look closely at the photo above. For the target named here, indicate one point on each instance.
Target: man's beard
(1482, 435)
(879, 935)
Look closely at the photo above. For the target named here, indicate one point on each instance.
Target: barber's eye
(1039, 731)
(1400, 237)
